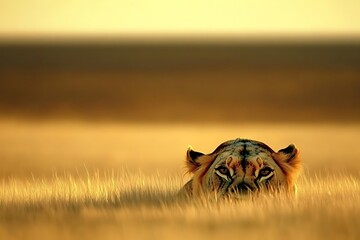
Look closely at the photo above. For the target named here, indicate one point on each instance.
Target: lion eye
(265, 171)
(223, 170)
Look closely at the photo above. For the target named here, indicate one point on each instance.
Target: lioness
(241, 166)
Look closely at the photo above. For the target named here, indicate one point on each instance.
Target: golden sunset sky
(29, 19)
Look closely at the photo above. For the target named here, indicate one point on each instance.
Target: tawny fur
(290, 168)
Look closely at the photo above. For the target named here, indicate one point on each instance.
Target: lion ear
(287, 154)
(289, 161)
(191, 159)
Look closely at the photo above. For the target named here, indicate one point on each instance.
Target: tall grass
(111, 205)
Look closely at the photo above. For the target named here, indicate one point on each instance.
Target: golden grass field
(96, 180)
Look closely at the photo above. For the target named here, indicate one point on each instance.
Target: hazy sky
(184, 18)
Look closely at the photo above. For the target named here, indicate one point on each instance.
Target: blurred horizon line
(349, 38)
(159, 55)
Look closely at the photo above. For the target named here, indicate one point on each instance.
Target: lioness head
(241, 166)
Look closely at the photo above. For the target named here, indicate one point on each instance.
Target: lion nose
(241, 188)
(244, 187)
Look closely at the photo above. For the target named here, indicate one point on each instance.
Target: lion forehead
(244, 148)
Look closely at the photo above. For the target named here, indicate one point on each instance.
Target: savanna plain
(96, 180)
